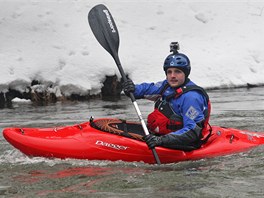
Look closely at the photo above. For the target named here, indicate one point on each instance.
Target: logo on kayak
(109, 21)
(114, 146)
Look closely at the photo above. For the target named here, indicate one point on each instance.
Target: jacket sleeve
(148, 90)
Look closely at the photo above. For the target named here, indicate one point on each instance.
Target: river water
(239, 175)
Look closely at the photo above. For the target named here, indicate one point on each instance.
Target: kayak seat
(120, 127)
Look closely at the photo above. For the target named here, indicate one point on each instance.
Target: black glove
(153, 141)
(128, 86)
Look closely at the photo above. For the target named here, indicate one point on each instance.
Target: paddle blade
(104, 29)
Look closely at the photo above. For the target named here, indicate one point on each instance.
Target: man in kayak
(182, 109)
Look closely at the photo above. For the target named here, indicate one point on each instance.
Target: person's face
(175, 77)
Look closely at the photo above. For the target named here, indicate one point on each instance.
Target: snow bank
(50, 41)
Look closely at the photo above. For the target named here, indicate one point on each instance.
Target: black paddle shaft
(104, 29)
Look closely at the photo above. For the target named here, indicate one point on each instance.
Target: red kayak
(114, 139)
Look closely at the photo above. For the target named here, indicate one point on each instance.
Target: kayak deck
(82, 141)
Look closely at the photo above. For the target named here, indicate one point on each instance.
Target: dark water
(239, 175)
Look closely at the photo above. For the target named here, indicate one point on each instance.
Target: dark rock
(2, 100)
(112, 87)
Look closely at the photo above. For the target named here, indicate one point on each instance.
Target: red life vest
(164, 120)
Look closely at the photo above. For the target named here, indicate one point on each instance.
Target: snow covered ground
(51, 41)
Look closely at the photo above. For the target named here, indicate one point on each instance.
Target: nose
(173, 74)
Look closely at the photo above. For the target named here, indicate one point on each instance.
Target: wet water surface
(238, 175)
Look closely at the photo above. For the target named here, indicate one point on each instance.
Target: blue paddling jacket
(180, 114)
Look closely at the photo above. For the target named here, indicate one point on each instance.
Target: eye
(169, 71)
(178, 71)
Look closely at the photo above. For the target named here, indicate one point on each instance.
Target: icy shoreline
(41, 94)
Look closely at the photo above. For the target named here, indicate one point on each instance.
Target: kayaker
(182, 109)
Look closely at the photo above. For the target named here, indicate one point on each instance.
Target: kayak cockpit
(120, 127)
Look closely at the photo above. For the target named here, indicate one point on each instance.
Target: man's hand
(153, 141)
(128, 86)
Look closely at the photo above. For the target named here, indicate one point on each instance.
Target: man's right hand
(128, 87)
(153, 141)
